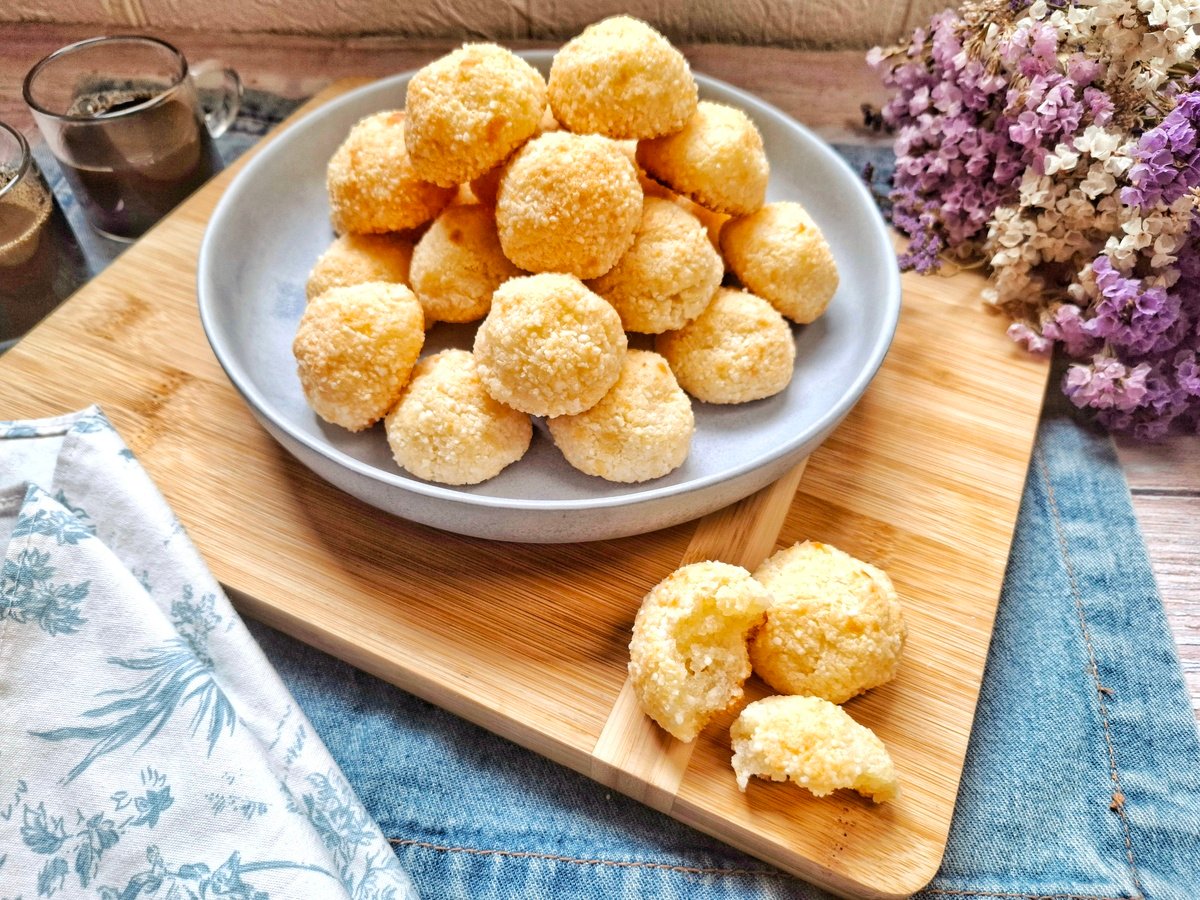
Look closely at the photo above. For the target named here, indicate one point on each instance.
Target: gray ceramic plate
(273, 223)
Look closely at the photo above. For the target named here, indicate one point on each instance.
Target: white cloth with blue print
(147, 748)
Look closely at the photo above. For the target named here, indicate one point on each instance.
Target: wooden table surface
(822, 89)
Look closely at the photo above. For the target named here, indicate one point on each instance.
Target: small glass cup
(40, 261)
(123, 116)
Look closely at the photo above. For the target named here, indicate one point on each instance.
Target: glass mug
(123, 117)
(40, 261)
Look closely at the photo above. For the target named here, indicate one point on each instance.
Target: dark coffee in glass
(124, 118)
(127, 178)
(40, 261)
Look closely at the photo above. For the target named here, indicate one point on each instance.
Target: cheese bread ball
(641, 429)
(470, 109)
(781, 255)
(458, 264)
(835, 627)
(372, 185)
(447, 428)
(717, 160)
(568, 203)
(713, 222)
(813, 743)
(687, 659)
(485, 186)
(621, 78)
(549, 346)
(667, 276)
(738, 349)
(355, 348)
(355, 258)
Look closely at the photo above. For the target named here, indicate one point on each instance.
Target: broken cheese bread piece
(815, 744)
(688, 658)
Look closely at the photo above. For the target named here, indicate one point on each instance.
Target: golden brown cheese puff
(355, 348)
(813, 743)
(641, 429)
(781, 255)
(486, 185)
(712, 221)
(835, 627)
(373, 187)
(568, 203)
(623, 79)
(458, 264)
(687, 659)
(447, 428)
(356, 258)
(470, 109)
(667, 276)
(739, 349)
(549, 346)
(717, 160)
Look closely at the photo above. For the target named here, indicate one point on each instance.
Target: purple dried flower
(1106, 384)
(1187, 372)
(1167, 160)
(1068, 328)
(1032, 341)
(983, 102)
(1129, 315)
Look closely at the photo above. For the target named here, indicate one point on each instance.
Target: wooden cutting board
(923, 478)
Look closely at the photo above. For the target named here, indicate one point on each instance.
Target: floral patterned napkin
(147, 748)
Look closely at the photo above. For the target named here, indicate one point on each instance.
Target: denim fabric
(1082, 777)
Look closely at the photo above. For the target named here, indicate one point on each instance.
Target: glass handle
(220, 83)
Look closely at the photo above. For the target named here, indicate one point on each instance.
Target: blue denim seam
(580, 861)
(941, 892)
(1118, 801)
(711, 870)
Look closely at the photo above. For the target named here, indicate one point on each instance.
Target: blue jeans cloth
(1082, 778)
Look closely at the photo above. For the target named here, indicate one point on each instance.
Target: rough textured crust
(447, 428)
(623, 79)
(357, 258)
(738, 349)
(641, 429)
(549, 346)
(835, 627)
(470, 109)
(485, 186)
(372, 185)
(568, 203)
(813, 743)
(355, 348)
(713, 222)
(667, 276)
(458, 264)
(779, 253)
(717, 160)
(687, 659)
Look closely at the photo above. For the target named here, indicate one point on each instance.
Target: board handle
(633, 755)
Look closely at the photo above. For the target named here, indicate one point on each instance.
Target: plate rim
(890, 300)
